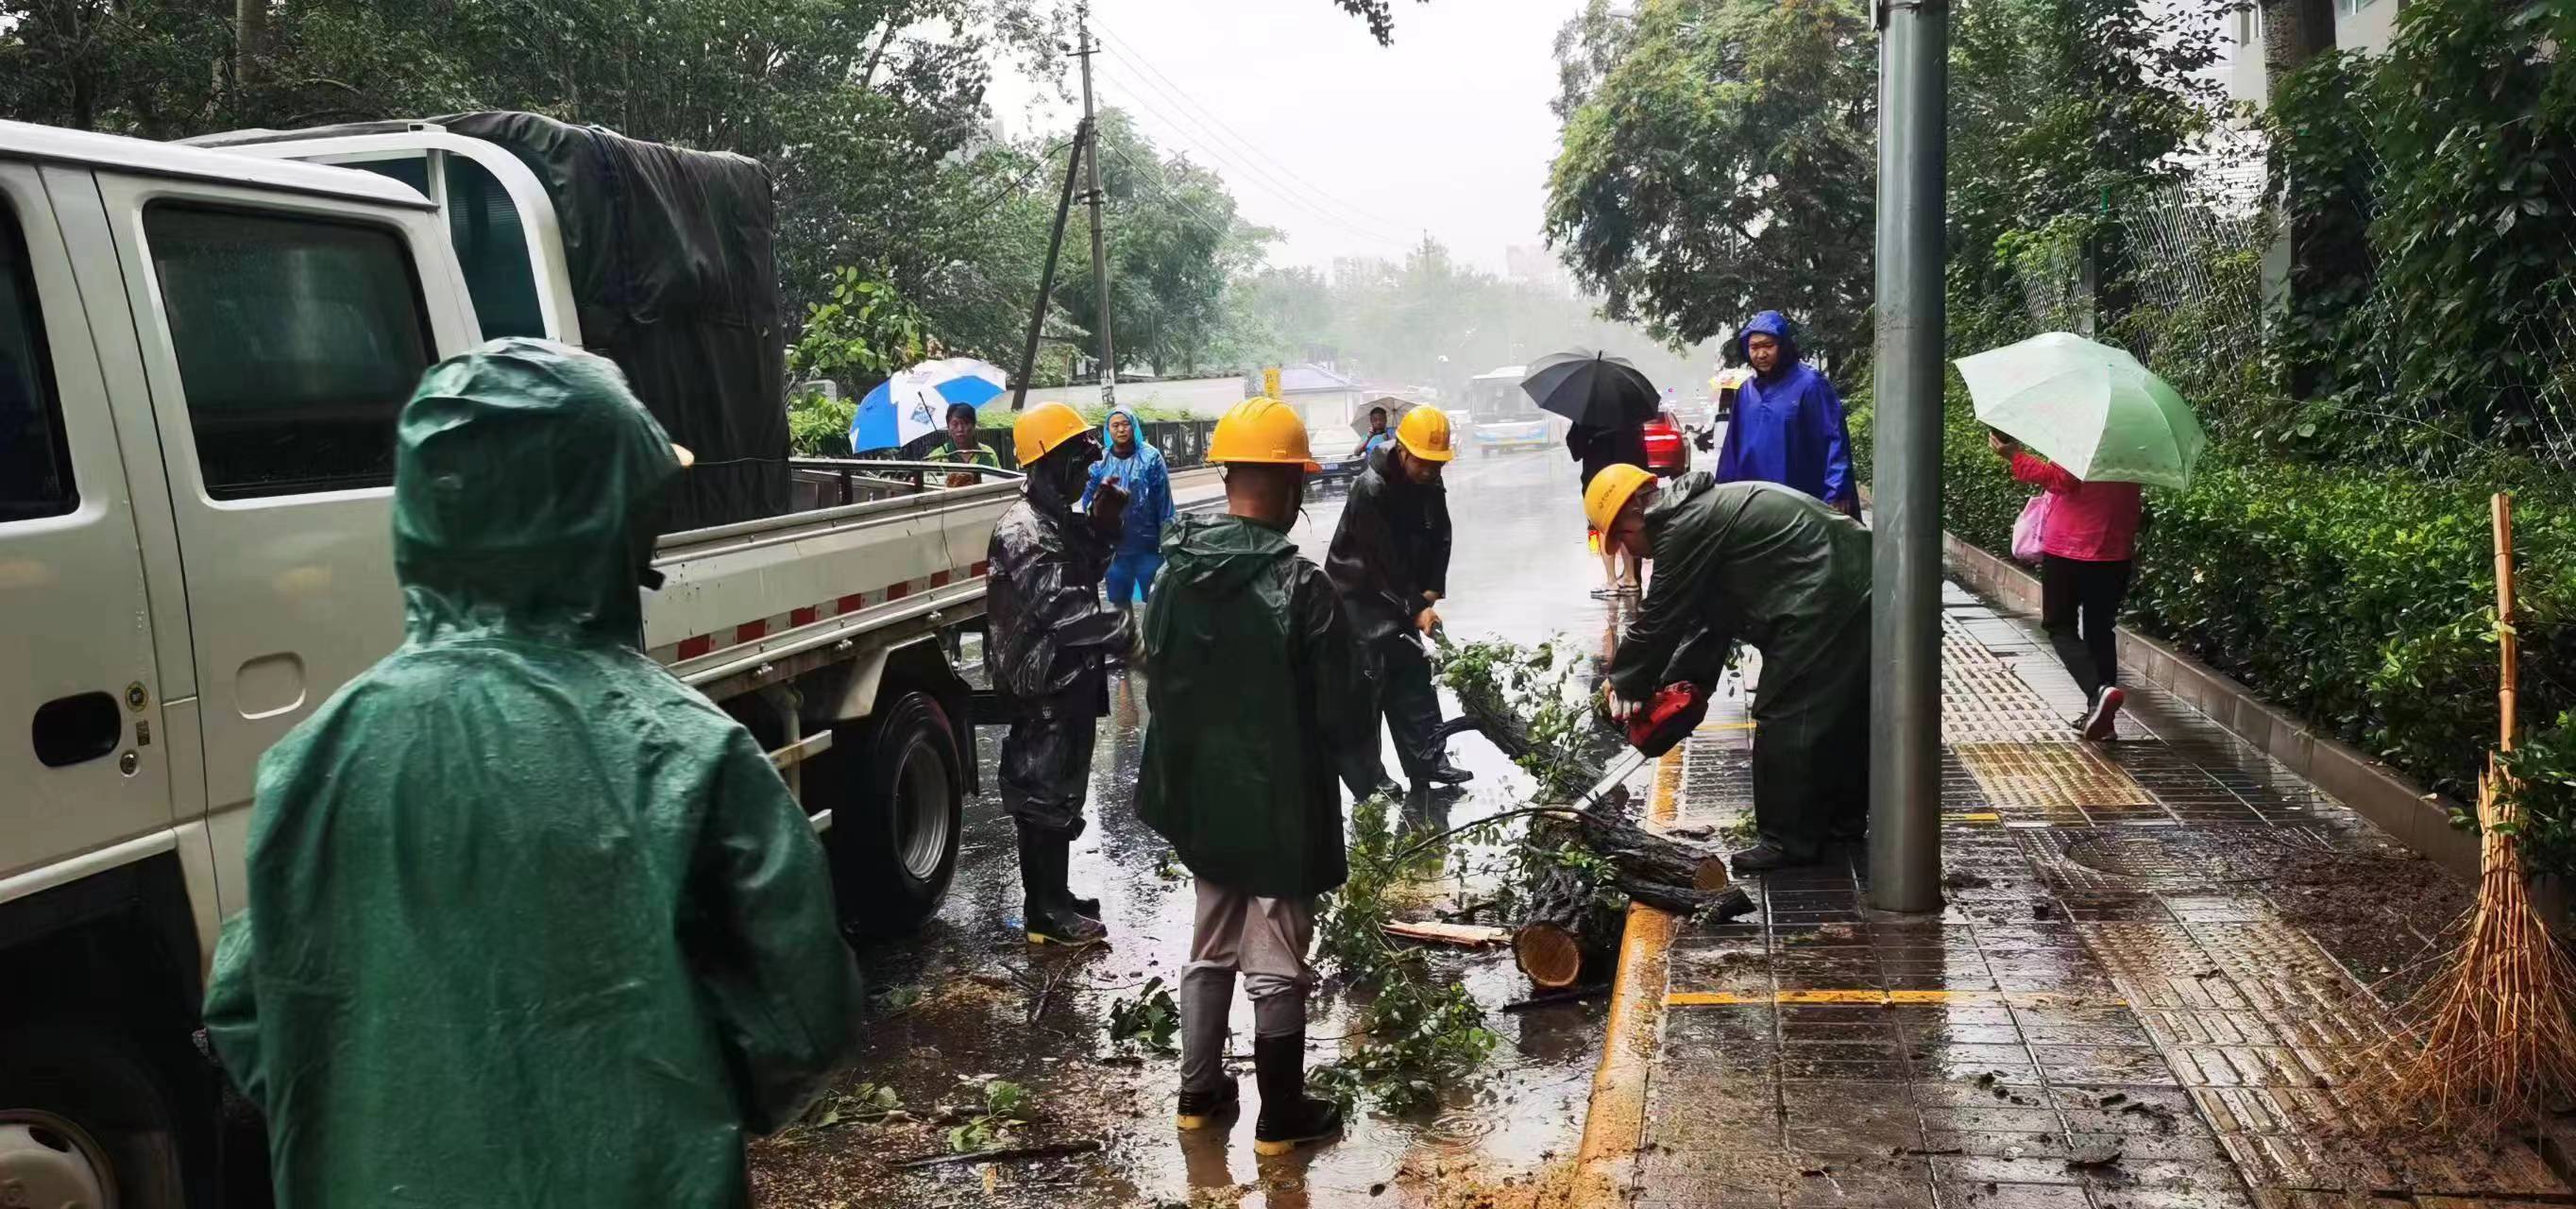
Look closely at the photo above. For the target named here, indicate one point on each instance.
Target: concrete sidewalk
(2153, 980)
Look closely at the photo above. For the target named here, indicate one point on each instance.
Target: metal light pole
(1905, 584)
(1099, 253)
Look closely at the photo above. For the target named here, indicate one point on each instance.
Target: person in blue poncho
(1135, 465)
(1788, 425)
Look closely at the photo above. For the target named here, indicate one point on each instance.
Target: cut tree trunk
(1570, 931)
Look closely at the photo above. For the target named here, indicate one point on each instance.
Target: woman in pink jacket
(2088, 544)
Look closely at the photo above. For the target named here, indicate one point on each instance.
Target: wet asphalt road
(966, 1000)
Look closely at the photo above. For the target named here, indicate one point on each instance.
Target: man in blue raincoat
(1134, 464)
(531, 922)
(1788, 426)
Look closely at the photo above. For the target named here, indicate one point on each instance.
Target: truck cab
(202, 356)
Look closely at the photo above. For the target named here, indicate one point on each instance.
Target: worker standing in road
(530, 922)
(1788, 426)
(1390, 561)
(1048, 637)
(1135, 465)
(1258, 708)
(1783, 572)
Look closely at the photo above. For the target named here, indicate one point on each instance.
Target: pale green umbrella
(2088, 407)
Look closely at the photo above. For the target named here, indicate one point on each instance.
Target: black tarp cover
(672, 255)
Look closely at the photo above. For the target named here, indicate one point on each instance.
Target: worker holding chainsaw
(1390, 562)
(1787, 574)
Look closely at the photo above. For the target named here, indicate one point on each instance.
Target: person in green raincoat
(1790, 575)
(1259, 711)
(531, 923)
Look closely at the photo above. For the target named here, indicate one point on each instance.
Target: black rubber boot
(1289, 1117)
(1200, 1109)
(1442, 772)
(1044, 912)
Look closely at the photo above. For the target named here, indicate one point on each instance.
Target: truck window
(35, 463)
(299, 340)
(491, 244)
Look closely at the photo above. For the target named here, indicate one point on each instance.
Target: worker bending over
(1390, 561)
(1048, 637)
(1784, 572)
(1258, 708)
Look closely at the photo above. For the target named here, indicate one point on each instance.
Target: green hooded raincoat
(531, 923)
(1778, 569)
(1257, 707)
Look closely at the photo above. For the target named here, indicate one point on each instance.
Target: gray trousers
(1266, 940)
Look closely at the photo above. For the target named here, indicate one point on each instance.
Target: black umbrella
(1592, 388)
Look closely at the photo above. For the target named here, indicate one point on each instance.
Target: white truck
(202, 354)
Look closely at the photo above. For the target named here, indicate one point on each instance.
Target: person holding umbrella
(963, 449)
(1788, 425)
(1609, 402)
(1377, 433)
(2106, 426)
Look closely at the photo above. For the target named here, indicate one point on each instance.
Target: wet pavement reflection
(966, 1001)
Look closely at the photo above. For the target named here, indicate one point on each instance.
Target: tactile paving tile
(2051, 777)
(2170, 860)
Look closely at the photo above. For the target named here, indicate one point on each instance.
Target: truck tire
(898, 799)
(80, 1108)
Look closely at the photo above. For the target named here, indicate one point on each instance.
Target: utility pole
(1046, 279)
(1905, 580)
(1099, 253)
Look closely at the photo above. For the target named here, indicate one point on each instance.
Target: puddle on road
(1520, 571)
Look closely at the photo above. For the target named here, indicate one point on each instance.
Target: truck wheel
(898, 807)
(85, 1121)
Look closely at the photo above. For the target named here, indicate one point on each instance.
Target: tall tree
(1724, 164)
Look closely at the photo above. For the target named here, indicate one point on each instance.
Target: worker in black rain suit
(1049, 635)
(1390, 562)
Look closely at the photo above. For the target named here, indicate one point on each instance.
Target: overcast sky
(1346, 147)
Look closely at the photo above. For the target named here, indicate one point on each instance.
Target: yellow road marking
(1983, 816)
(1614, 1119)
(1705, 727)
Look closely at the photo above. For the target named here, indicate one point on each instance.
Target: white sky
(1346, 147)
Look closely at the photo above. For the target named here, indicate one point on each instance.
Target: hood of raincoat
(526, 480)
(1223, 555)
(1772, 324)
(1109, 444)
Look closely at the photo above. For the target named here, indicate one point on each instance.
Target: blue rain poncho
(1147, 481)
(1788, 426)
(531, 922)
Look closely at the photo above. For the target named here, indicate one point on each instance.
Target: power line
(1126, 53)
(1290, 191)
(1208, 222)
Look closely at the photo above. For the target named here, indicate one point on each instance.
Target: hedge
(2359, 599)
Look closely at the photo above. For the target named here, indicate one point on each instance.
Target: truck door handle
(78, 728)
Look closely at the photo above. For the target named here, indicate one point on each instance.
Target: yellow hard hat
(1610, 491)
(1041, 428)
(1262, 430)
(1424, 433)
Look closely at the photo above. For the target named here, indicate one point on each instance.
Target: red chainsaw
(1668, 718)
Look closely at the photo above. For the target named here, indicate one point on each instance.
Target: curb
(1614, 1119)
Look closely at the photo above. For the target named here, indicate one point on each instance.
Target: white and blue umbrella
(916, 401)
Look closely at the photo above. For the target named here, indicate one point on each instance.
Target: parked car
(1667, 446)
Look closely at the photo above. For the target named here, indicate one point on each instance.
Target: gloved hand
(1109, 509)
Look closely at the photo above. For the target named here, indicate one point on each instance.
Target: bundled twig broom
(2492, 1043)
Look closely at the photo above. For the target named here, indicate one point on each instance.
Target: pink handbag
(2032, 529)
